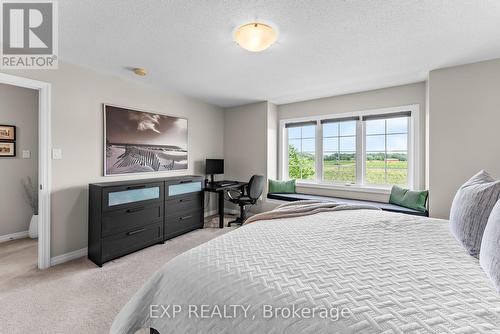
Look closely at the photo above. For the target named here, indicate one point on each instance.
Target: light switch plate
(56, 154)
(26, 154)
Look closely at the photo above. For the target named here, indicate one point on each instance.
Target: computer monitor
(214, 166)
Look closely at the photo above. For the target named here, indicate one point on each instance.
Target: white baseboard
(210, 213)
(216, 212)
(68, 256)
(13, 236)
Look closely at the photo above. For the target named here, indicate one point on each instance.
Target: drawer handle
(185, 200)
(185, 181)
(185, 217)
(136, 187)
(140, 208)
(136, 231)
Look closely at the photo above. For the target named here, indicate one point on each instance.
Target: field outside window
(387, 151)
(339, 152)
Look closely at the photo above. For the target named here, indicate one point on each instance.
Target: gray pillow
(490, 247)
(471, 208)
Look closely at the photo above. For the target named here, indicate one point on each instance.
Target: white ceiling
(325, 47)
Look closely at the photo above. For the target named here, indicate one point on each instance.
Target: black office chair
(248, 198)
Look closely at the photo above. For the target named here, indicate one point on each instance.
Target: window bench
(384, 206)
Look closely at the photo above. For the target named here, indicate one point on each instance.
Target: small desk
(220, 193)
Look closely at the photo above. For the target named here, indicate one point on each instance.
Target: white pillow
(490, 247)
(471, 209)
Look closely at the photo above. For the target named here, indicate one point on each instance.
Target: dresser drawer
(126, 219)
(125, 196)
(182, 222)
(182, 188)
(127, 242)
(186, 203)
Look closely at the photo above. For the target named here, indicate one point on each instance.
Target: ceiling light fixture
(140, 71)
(255, 36)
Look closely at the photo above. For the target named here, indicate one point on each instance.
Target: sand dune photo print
(140, 142)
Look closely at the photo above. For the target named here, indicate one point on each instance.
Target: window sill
(355, 188)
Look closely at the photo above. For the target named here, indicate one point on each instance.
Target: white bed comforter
(385, 272)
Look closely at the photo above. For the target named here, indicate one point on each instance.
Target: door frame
(44, 161)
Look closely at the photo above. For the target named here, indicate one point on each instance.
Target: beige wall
(245, 135)
(77, 128)
(19, 107)
(272, 141)
(247, 149)
(375, 99)
(464, 135)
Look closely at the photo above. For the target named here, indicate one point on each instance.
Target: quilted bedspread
(360, 271)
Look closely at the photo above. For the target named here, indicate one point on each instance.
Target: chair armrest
(236, 193)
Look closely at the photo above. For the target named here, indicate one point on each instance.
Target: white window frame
(415, 154)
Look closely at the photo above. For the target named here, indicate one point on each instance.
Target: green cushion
(282, 186)
(409, 199)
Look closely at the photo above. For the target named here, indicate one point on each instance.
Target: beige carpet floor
(17, 258)
(77, 296)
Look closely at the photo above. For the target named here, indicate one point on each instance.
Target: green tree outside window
(300, 165)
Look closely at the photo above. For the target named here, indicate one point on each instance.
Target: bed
(350, 271)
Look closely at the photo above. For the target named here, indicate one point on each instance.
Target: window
(387, 150)
(339, 151)
(371, 149)
(301, 150)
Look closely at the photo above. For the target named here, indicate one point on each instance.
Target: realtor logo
(29, 35)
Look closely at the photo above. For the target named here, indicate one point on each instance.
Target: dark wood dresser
(127, 216)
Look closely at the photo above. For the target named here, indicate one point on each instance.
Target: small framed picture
(7, 132)
(7, 150)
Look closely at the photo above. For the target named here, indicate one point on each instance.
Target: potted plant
(31, 196)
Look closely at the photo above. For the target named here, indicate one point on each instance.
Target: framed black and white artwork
(138, 141)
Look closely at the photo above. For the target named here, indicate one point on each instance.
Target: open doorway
(19, 174)
(25, 169)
